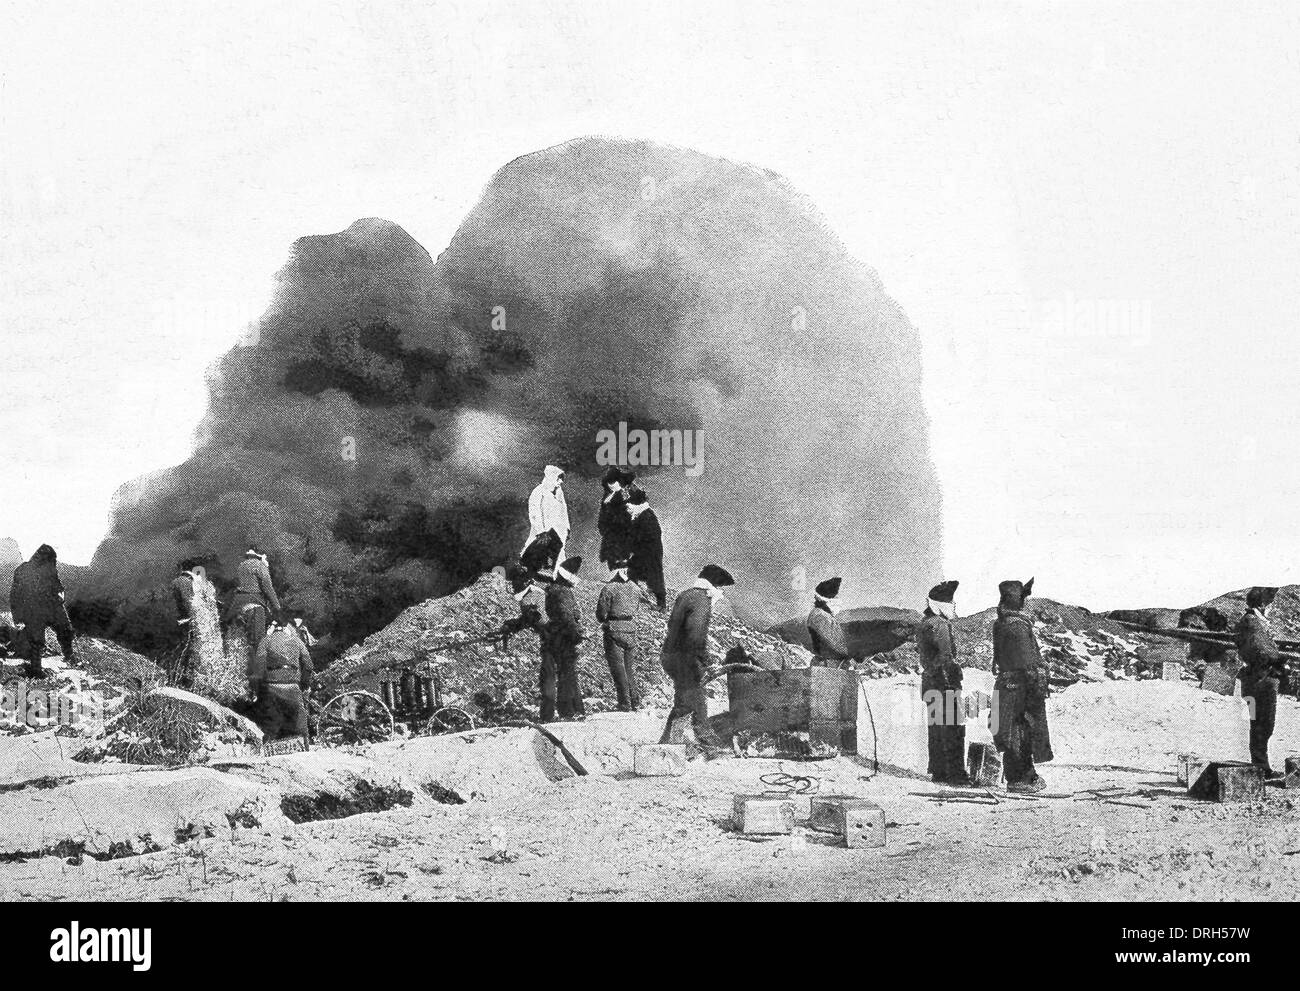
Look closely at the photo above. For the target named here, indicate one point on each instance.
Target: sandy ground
(619, 837)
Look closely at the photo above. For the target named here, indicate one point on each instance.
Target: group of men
(279, 667)
(632, 548)
(1021, 679)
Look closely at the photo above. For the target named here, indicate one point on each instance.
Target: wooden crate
(822, 702)
(763, 814)
(1228, 781)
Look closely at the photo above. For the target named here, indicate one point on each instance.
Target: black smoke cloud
(381, 437)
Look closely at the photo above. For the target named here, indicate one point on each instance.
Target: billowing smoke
(380, 434)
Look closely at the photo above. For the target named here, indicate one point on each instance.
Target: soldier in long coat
(829, 646)
(1020, 690)
(685, 654)
(941, 680)
(563, 634)
(645, 548)
(36, 600)
(1260, 673)
(613, 521)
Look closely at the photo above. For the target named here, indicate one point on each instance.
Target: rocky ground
(499, 813)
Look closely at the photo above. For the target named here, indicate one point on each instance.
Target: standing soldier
(1260, 673)
(1020, 690)
(548, 509)
(254, 601)
(614, 520)
(616, 610)
(36, 599)
(278, 676)
(685, 655)
(645, 547)
(564, 633)
(941, 687)
(830, 649)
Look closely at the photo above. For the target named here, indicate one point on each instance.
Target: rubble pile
(496, 679)
(1078, 645)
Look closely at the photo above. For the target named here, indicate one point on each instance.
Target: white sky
(1001, 166)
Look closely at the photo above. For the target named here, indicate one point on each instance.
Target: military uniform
(616, 610)
(254, 600)
(941, 680)
(1020, 689)
(685, 656)
(563, 634)
(830, 648)
(1260, 677)
(645, 547)
(278, 674)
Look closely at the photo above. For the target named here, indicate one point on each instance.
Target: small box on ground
(985, 764)
(825, 813)
(864, 824)
(763, 814)
(659, 760)
(1292, 767)
(1227, 781)
(859, 820)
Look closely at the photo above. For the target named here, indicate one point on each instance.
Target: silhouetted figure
(645, 547)
(564, 634)
(1260, 673)
(36, 600)
(614, 519)
(1020, 689)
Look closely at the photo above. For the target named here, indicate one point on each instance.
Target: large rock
(212, 713)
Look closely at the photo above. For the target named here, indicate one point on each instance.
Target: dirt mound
(1078, 645)
(505, 678)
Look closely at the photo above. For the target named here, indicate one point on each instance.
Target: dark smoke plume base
(381, 437)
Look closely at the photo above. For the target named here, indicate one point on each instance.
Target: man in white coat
(548, 510)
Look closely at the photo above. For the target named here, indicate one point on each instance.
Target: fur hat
(1015, 593)
(716, 576)
(828, 589)
(1260, 597)
(943, 592)
(637, 497)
